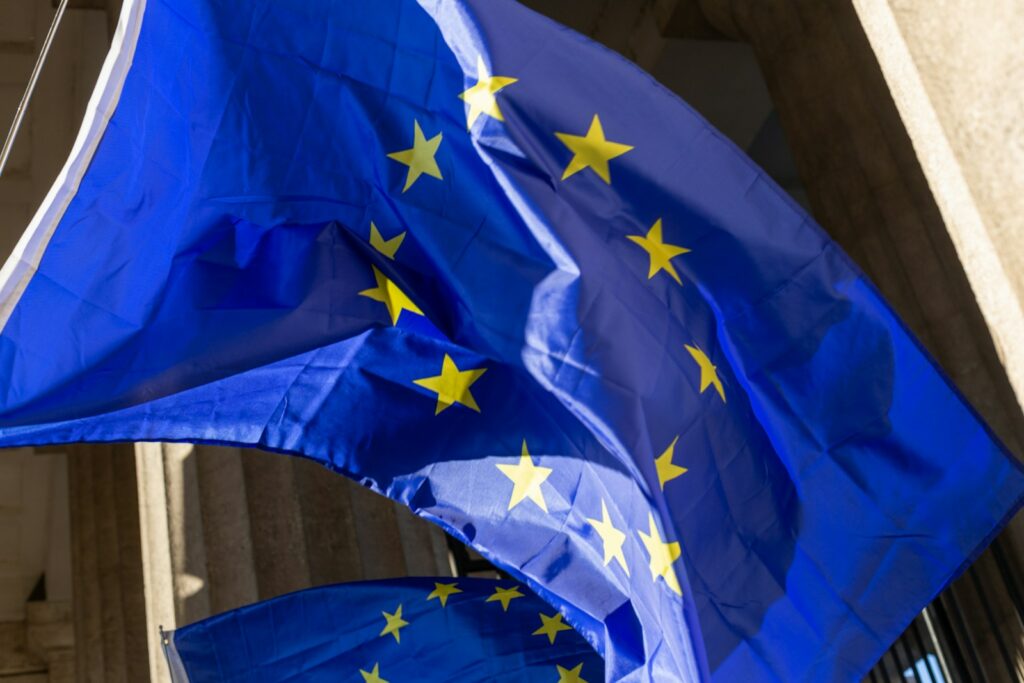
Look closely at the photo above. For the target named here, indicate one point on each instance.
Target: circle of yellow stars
(591, 150)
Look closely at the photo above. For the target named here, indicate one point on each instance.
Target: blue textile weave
(493, 271)
(427, 630)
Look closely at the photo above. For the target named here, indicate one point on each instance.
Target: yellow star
(662, 556)
(660, 253)
(452, 385)
(388, 293)
(526, 480)
(611, 538)
(394, 623)
(570, 675)
(591, 151)
(481, 97)
(420, 158)
(668, 470)
(551, 626)
(372, 676)
(387, 247)
(505, 596)
(708, 372)
(442, 591)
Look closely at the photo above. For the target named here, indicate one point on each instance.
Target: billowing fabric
(429, 630)
(495, 272)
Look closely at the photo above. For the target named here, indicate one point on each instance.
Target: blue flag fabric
(423, 630)
(497, 273)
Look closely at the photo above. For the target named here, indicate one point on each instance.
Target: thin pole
(940, 649)
(19, 115)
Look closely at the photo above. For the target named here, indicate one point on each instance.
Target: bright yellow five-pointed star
(372, 676)
(442, 591)
(668, 470)
(420, 158)
(394, 623)
(526, 480)
(551, 626)
(570, 675)
(662, 556)
(505, 596)
(388, 293)
(481, 97)
(452, 385)
(708, 372)
(591, 151)
(611, 538)
(660, 253)
(387, 247)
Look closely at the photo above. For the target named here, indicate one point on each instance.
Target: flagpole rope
(19, 114)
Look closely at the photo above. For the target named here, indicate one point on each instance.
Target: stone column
(224, 527)
(230, 568)
(50, 635)
(275, 518)
(17, 662)
(108, 589)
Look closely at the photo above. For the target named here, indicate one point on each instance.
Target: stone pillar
(50, 636)
(950, 67)
(330, 521)
(275, 518)
(231, 570)
(108, 588)
(223, 527)
(17, 662)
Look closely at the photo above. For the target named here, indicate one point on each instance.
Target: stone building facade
(893, 121)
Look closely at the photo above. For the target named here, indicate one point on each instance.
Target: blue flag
(423, 630)
(497, 273)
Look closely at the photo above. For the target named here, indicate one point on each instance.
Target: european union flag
(495, 272)
(426, 630)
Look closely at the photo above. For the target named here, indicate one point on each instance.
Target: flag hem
(980, 547)
(21, 265)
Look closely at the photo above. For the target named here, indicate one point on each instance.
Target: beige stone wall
(952, 69)
(970, 59)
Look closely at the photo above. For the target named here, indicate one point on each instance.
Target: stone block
(646, 43)
(15, 67)
(617, 24)
(15, 660)
(14, 219)
(18, 25)
(581, 15)
(49, 627)
(10, 543)
(10, 485)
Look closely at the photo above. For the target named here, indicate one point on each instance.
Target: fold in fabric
(487, 268)
(414, 629)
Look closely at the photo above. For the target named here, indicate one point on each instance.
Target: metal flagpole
(19, 115)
